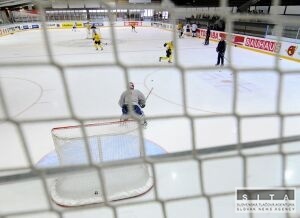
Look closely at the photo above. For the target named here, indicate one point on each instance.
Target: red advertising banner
(217, 35)
(135, 23)
(213, 34)
(238, 40)
(262, 44)
(201, 33)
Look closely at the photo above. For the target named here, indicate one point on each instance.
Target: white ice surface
(39, 92)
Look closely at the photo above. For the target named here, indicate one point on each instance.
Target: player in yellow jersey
(97, 41)
(180, 30)
(169, 50)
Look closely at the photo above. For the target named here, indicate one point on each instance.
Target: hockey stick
(149, 93)
(145, 122)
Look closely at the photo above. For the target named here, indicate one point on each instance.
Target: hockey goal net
(100, 143)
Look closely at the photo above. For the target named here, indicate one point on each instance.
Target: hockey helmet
(131, 85)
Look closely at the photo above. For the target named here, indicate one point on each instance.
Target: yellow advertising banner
(71, 24)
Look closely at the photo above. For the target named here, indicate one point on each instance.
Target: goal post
(97, 144)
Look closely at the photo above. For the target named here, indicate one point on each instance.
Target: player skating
(188, 29)
(93, 28)
(133, 27)
(74, 27)
(180, 30)
(134, 98)
(194, 30)
(169, 50)
(97, 41)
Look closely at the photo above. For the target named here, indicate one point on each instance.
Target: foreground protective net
(102, 169)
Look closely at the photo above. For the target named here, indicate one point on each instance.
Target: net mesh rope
(193, 154)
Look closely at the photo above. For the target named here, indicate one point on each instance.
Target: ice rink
(38, 78)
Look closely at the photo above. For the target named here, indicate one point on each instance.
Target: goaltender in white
(135, 98)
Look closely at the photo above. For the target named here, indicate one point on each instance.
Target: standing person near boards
(221, 48)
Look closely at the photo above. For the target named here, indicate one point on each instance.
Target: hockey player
(180, 30)
(207, 36)
(133, 27)
(181, 33)
(93, 28)
(221, 48)
(74, 27)
(134, 98)
(97, 41)
(194, 29)
(188, 30)
(169, 49)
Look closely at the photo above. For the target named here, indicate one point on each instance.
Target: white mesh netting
(238, 143)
